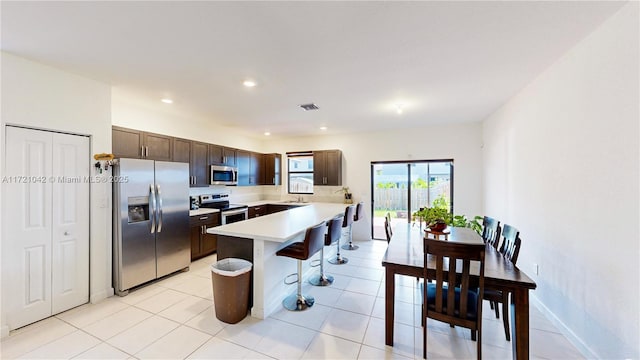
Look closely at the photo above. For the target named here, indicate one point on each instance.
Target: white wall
(39, 96)
(561, 164)
(135, 112)
(463, 143)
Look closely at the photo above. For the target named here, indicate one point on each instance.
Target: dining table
(405, 256)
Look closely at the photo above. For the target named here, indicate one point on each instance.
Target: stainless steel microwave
(224, 175)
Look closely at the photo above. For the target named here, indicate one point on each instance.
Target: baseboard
(4, 331)
(99, 296)
(564, 329)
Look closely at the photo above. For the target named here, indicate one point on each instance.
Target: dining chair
(510, 249)
(388, 219)
(454, 298)
(387, 229)
(491, 231)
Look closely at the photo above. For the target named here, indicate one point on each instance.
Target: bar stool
(333, 234)
(313, 242)
(348, 220)
(356, 217)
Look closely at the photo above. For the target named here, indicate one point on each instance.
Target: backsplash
(242, 194)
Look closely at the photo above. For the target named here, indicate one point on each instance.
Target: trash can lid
(231, 267)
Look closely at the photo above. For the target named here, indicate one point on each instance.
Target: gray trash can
(231, 279)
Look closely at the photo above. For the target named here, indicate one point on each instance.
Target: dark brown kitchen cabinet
(203, 243)
(220, 155)
(274, 208)
(198, 164)
(244, 167)
(327, 167)
(255, 169)
(271, 169)
(157, 147)
(128, 143)
(255, 211)
(249, 168)
(181, 150)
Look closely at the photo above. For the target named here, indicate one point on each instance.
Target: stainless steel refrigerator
(150, 222)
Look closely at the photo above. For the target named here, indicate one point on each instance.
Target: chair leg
(491, 304)
(505, 315)
(424, 338)
(338, 259)
(473, 335)
(350, 245)
(479, 343)
(298, 302)
(495, 306)
(321, 279)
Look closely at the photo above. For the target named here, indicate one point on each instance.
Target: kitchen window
(300, 173)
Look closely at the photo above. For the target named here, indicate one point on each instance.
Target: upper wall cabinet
(198, 165)
(271, 169)
(327, 167)
(220, 155)
(135, 144)
(249, 168)
(181, 150)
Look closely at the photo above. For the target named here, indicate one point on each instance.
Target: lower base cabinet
(203, 243)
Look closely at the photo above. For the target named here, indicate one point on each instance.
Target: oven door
(231, 216)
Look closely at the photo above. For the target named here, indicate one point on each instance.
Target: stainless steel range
(229, 213)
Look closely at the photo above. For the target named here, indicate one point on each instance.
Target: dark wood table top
(405, 253)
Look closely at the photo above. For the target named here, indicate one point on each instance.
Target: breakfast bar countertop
(281, 226)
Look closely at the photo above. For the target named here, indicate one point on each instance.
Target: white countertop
(202, 211)
(276, 202)
(281, 226)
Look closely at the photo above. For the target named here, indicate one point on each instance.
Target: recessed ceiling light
(399, 108)
(323, 128)
(267, 133)
(249, 83)
(167, 101)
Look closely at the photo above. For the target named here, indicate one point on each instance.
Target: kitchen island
(258, 239)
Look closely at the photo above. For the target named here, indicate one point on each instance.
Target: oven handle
(235, 212)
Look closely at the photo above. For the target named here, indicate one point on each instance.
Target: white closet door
(26, 248)
(70, 226)
(45, 250)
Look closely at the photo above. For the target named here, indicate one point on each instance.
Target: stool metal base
(297, 302)
(350, 246)
(321, 280)
(338, 260)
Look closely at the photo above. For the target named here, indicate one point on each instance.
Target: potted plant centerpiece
(434, 218)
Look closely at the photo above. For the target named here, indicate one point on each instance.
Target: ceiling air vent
(308, 107)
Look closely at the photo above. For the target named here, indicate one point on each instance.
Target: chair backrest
(450, 256)
(335, 230)
(314, 239)
(491, 231)
(387, 229)
(359, 211)
(510, 243)
(348, 216)
(388, 219)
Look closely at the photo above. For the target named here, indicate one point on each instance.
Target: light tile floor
(174, 319)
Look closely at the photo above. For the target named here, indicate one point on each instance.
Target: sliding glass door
(400, 188)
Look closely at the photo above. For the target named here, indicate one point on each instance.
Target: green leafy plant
(432, 215)
(475, 224)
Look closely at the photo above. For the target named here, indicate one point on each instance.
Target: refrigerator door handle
(159, 196)
(152, 204)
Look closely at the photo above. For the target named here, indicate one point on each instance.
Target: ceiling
(445, 62)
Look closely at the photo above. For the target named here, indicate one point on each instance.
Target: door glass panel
(401, 189)
(390, 195)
